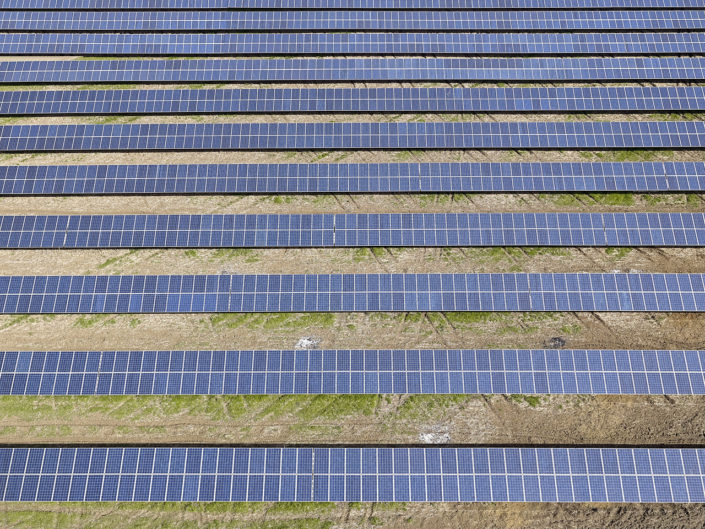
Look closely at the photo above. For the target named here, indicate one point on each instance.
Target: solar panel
(612, 292)
(260, 21)
(346, 4)
(346, 136)
(312, 372)
(527, 177)
(359, 69)
(652, 475)
(353, 230)
(309, 100)
(252, 44)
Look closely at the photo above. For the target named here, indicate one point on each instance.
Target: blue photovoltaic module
(359, 69)
(188, 21)
(253, 44)
(347, 4)
(354, 136)
(613, 292)
(308, 100)
(526, 177)
(649, 475)
(353, 230)
(343, 372)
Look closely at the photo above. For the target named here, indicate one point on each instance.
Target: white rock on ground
(307, 342)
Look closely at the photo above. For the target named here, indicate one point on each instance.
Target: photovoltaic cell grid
(282, 100)
(346, 136)
(651, 475)
(353, 178)
(509, 371)
(347, 4)
(359, 69)
(353, 230)
(682, 20)
(354, 474)
(352, 293)
(253, 44)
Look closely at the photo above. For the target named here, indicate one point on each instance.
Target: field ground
(354, 515)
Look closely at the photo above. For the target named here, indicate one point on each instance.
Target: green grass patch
(418, 407)
(234, 253)
(108, 262)
(309, 408)
(472, 318)
(682, 116)
(613, 199)
(278, 199)
(618, 253)
(86, 322)
(571, 329)
(531, 251)
(693, 201)
(231, 320)
(144, 516)
(531, 400)
(304, 507)
(16, 320)
(361, 254)
(114, 260)
(332, 406)
(434, 199)
(636, 155)
(270, 321)
(563, 199)
(307, 320)
(408, 154)
(115, 119)
(653, 200)
(134, 409)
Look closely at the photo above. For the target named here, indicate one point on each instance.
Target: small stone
(433, 438)
(556, 342)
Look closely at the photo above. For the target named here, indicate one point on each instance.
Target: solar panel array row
(252, 44)
(352, 293)
(511, 371)
(346, 136)
(353, 230)
(353, 178)
(352, 474)
(360, 69)
(351, 20)
(345, 4)
(307, 100)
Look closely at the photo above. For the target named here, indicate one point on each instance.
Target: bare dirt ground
(323, 516)
(397, 419)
